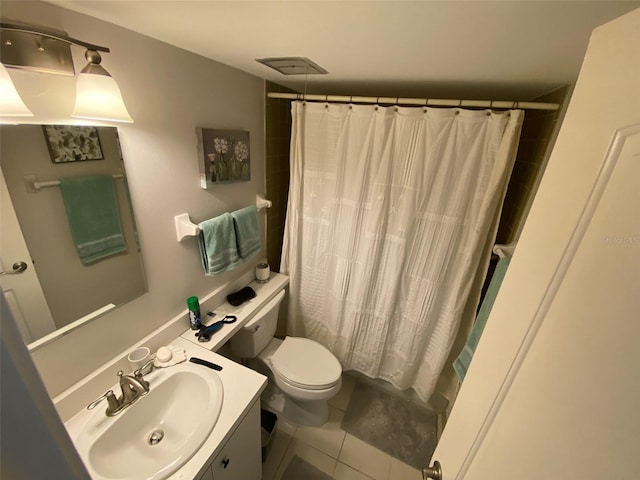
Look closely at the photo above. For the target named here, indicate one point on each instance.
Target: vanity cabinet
(240, 458)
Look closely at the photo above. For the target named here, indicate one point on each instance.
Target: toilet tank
(257, 332)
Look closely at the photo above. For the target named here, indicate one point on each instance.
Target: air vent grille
(293, 65)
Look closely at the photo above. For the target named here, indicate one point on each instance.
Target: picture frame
(72, 143)
(224, 156)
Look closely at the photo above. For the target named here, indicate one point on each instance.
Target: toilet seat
(306, 364)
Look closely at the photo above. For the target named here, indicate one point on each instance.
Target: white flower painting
(71, 143)
(224, 156)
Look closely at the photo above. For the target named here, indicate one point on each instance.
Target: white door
(554, 389)
(22, 291)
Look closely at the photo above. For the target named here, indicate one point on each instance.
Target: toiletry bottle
(194, 312)
(262, 272)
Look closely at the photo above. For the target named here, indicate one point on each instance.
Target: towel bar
(186, 228)
(262, 202)
(33, 185)
(504, 250)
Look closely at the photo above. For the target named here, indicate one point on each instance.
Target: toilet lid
(304, 362)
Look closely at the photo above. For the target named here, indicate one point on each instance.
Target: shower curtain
(391, 216)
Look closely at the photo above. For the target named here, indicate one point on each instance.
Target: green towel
(461, 364)
(94, 219)
(133, 216)
(217, 241)
(245, 222)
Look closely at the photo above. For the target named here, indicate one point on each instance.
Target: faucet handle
(146, 369)
(109, 395)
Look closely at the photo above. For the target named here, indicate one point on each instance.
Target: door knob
(434, 471)
(17, 267)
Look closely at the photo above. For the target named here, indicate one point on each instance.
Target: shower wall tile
(277, 138)
(536, 142)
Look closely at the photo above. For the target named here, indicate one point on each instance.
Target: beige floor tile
(341, 400)
(344, 472)
(321, 461)
(327, 438)
(280, 445)
(365, 458)
(286, 427)
(402, 471)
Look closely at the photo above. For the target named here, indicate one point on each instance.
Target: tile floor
(332, 450)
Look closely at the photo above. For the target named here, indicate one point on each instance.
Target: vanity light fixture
(97, 94)
(48, 51)
(10, 102)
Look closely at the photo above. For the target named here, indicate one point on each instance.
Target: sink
(159, 433)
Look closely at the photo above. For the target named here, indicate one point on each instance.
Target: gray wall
(169, 93)
(34, 442)
(71, 288)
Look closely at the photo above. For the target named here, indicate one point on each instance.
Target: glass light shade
(98, 98)
(11, 105)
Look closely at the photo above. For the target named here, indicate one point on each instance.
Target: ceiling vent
(293, 65)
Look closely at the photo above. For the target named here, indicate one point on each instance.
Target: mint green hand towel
(245, 222)
(217, 241)
(461, 364)
(93, 215)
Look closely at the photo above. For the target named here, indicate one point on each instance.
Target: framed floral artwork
(72, 143)
(224, 156)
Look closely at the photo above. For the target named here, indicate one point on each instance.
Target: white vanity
(231, 450)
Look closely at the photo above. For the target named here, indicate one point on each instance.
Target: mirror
(59, 290)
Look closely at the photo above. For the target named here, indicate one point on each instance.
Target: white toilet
(303, 375)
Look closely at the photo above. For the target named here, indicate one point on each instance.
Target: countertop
(242, 387)
(244, 312)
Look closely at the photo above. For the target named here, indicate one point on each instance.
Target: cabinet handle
(225, 462)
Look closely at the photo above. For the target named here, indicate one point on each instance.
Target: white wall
(169, 92)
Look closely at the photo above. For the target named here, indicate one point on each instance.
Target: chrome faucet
(132, 386)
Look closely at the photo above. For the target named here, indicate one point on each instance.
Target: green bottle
(194, 312)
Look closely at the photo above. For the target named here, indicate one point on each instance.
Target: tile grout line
(354, 468)
(283, 456)
(339, 452)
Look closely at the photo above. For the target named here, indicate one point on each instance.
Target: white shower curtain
(391, 215)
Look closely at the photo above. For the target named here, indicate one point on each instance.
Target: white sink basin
(181, 409)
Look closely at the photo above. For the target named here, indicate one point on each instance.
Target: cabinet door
(207, 475)
(240, 459)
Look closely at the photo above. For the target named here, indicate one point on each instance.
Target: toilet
(303, 375)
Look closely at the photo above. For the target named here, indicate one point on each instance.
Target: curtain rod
(424, 102)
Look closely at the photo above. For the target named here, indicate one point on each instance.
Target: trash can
(268, 421)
